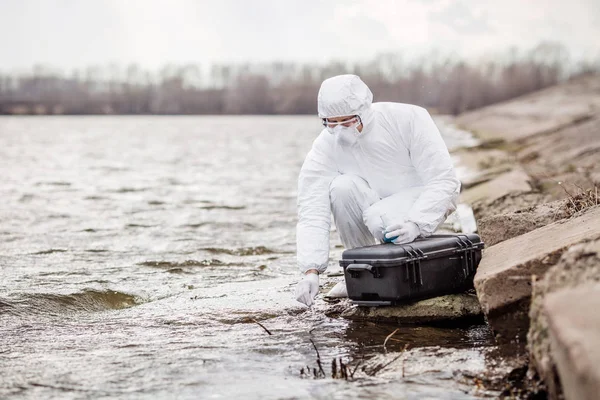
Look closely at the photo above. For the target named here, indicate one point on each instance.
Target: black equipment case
(389, 274)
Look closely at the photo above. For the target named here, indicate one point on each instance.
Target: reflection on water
(140, 256)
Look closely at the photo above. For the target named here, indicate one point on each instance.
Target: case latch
(467, 255)
(413, 265)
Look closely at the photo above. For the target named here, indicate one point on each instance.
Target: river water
(138, 256)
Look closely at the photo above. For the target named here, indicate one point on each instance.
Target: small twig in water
(318, 359)
(262, 326)
(320, 367)
(381, 367)
(344, 370)
(356, 367)
(313, 343)
(378, 368)
(387, 338)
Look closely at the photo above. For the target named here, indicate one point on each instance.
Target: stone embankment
(535, 196)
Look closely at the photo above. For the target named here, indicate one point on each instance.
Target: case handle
(356, 269)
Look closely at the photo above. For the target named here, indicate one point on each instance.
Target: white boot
(338, 291)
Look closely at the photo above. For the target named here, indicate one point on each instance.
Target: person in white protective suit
(382, 170)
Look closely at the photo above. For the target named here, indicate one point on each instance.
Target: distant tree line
(442, 83)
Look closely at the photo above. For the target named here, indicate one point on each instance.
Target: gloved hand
(307, 289)
(406, 232)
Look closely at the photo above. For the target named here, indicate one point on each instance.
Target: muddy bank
(535, 196)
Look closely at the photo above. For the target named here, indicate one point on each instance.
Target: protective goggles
(330, 125)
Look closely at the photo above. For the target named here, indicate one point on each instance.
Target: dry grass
(582, 200)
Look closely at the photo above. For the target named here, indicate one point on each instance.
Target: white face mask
(347, 135)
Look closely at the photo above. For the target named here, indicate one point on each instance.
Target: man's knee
(345, 186)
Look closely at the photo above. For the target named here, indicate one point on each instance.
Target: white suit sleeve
(314, 212)
(432, 162)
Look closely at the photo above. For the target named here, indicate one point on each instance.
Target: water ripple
(59, 304)
(244, 251)
(49, 251)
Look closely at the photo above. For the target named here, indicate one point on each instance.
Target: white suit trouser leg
(350, 196)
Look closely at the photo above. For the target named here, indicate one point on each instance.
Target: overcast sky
(78, 33)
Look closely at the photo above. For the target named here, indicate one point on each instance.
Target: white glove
(405, 232)
(307, 289)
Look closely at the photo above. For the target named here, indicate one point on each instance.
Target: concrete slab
(476, 159)
(475, 166)
(571, 184)
(574, 328)
(566, 148)
(511, 203)
(508, 125)
(538, 113)
(483, 176)
(497, 228)
(441, 308)
(503, 278)
(579, 266)
(510, 182)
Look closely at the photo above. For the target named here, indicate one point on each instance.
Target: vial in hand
(386, 223)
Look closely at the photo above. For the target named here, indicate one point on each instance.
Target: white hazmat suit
(396, 172)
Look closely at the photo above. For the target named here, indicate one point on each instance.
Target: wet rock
(514, 181)
(500, 227)
(577, 267)
(443, 308)
(503, 278)
(574, 333)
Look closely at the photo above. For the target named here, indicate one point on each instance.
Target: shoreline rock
(552, 136)
(514, 181)
(503, 279)
(443, 308)
(500, 227)
(573, 333)
(577, 268)
(538, 113)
